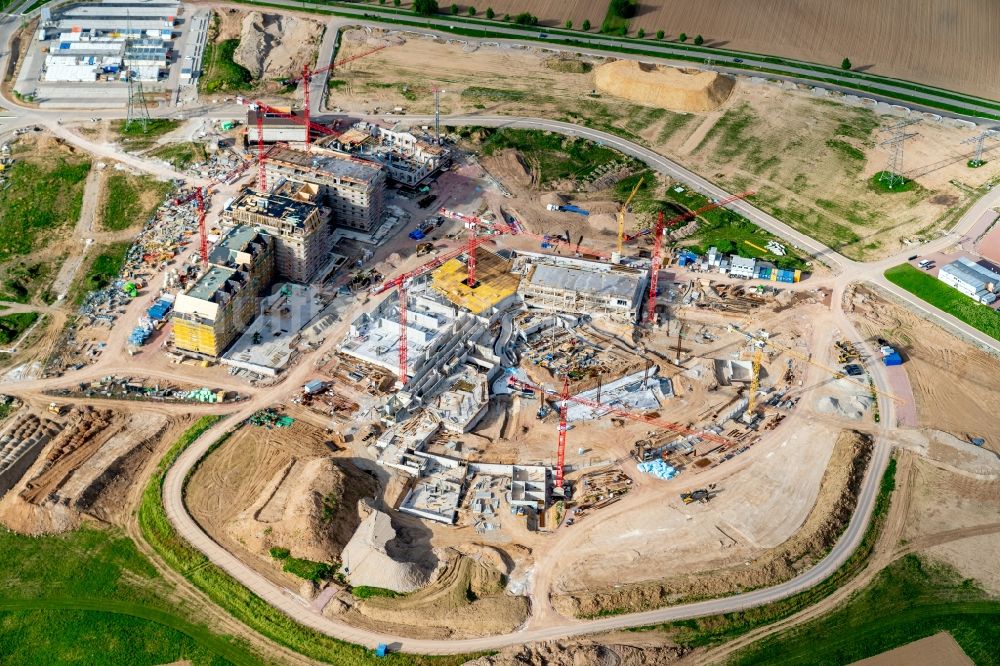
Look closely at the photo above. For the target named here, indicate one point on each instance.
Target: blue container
(764, 273)
(417, 234)
(893, 359)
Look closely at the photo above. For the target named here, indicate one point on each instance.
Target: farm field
(887, 38)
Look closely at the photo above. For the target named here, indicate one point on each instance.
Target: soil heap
(666, 87)
(366, 560)
(274, 46)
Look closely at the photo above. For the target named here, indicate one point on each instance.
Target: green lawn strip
(85, 596)
(221, 73)
(13, 325)
(715, 629)
(123, 207)
(39, 199)
(236, 599)
(910, 599)
(102, 270)
(933, 291)
(367, 592)
(814, 72)
(729, 231)
(112, 632)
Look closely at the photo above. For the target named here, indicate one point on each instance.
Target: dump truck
(567, 209)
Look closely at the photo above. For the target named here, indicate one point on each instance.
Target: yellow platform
(495, 282)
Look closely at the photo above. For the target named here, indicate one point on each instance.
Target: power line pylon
(137, 109)
(892, 174)
(978, 140)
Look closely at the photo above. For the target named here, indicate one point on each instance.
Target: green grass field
(556, 157)
(943, 297)
(221, 74)
(238, 600)
(40, 199)
(24, 280)
(89, 597)
(13, 325)
(181, 155)
(910, 599)
(123, 207)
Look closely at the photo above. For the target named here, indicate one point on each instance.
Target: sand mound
(274, 46)
(667, 87)
(367, 562)
(309, 507)
(510, 168)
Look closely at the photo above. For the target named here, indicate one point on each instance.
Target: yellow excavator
(621, 214)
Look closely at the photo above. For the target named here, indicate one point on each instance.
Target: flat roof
(210, 282)
(970, 272)
(275, 206)
(327, 162)
(623, 284)
(235, 240)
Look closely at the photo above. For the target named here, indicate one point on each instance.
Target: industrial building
(107, 41)
(301, 235)
(354, 189)
(972, 279)
(276, 126)
(567, 284)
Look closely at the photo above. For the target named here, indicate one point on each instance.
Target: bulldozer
(55, 408)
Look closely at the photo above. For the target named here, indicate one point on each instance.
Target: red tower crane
(472, 221)
(561, 449)
(265, 109)
(307, 75)
(400, 283)
(654, 272)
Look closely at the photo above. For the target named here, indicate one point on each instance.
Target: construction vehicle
(55, 408)
(702, 495)
(566, 208)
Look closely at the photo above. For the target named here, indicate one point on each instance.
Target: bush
(683, 37)
(846, 63)
(699, 40)
(425, 7)
(490, 13)
(471, 10)
(586, 24)
(525, 18)
(279, 553)
(641, 33)
(307, 569)
(623, 8)
(454, 9)
(569, 25)
(396, 3)
(506, 17)
(659, 34)
(366, 592)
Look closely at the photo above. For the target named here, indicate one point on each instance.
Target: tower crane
(401, 282)
(307, 74)
(621, 215)
(564, 397)
(761, 341)
(261, 108)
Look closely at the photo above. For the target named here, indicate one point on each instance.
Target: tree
(846, 64)
(472, 10)
(506, 17)
(490, 13)
(659, 34)
(683, 37)
(396, 3)
(699, 40)
(623, 8)
(641, 33)
(569, 25)
(425, 7)
(454, 9)
(524, 18)
(586, 24)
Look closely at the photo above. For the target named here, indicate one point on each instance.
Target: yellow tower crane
(621, 214)
(762, 341)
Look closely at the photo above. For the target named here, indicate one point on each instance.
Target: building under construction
(353, 188)
(568, 284)
(301, 235)
(210, 313)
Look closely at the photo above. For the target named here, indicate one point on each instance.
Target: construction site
(471, 380)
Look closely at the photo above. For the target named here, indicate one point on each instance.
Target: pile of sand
(275, 46)
(366, 560)
(309, 506)
(666, 87)
(853, 407)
